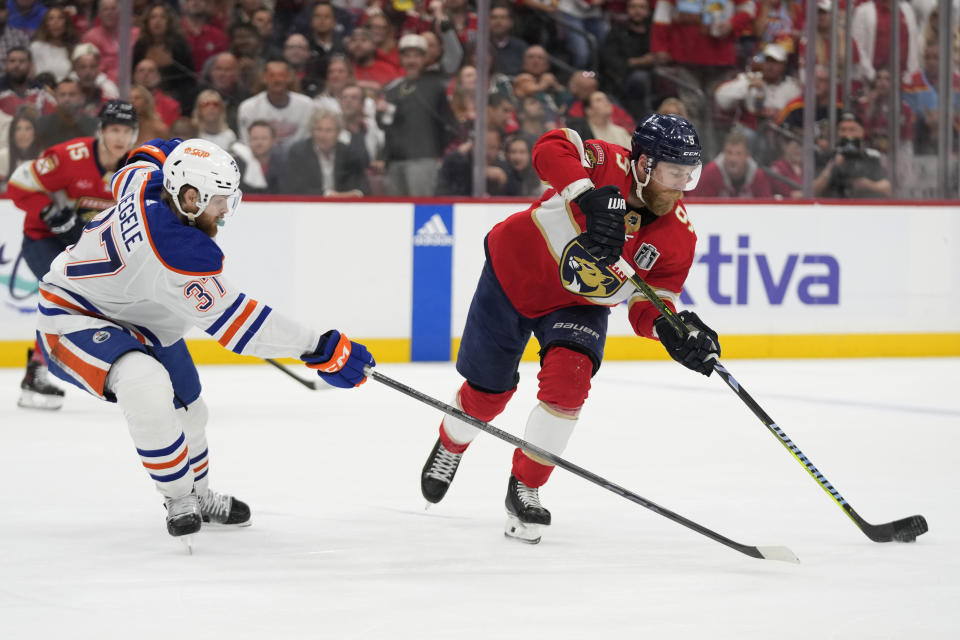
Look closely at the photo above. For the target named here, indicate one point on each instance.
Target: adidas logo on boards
(433, 233)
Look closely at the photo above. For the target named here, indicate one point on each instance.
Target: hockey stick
(310, 384)
(904, 530)
(765, 553)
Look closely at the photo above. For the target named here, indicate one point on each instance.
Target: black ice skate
(219, 508)
(438, 472)
(525, 514)
(183, 515)
(35, 391)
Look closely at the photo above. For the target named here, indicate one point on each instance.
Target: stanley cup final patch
(645, 256)
(582, 275)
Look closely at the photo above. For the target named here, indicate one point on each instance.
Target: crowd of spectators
(377, 97)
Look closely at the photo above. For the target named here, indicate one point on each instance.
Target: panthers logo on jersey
(581, 274)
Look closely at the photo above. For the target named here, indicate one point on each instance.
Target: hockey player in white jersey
(115, 306)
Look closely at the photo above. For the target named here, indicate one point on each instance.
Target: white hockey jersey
(137, 266)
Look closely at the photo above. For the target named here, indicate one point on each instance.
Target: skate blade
(522, 531)
(33, 400)
(188, 542)
(210, 524)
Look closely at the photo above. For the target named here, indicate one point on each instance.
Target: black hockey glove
(65, 223)
(700, 348)
(605, 209)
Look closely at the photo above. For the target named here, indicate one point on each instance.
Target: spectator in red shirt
(703, 42)
(790, 166)
(205, 39)
(582, 85)
(147, 75)
(733, 173)
(105, 37)
(367, 69)
(385, 38)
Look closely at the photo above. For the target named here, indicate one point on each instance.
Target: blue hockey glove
(155, 151)
(604, 209)
(698, 350)
(339, 361)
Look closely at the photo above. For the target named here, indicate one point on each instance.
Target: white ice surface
(342, 548)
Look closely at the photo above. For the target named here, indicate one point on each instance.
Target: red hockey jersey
(68, 173)
(538, 264)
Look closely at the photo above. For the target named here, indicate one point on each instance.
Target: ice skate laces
(216, 506)
(444, 465)
(529, 496)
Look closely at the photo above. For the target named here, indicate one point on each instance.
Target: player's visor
(677, 177)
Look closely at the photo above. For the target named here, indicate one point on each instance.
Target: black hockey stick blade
(766, 553)
(903, 530)
(310, 384)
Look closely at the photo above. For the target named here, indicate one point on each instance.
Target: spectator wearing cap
(52, 43)
(733, 173)
(96, 87)
(105, 36)
(853, 171)
(416, 117)
(759, 95)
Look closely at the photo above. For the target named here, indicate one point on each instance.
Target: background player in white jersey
(547, 273)
(59, 192)
(115, 306)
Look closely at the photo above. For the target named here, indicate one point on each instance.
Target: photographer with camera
(854, 171)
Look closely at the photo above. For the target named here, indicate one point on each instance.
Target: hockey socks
(455, 434)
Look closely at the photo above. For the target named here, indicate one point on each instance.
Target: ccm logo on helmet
(200, 153)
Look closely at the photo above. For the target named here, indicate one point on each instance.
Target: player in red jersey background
(547, 274)
(59, 192)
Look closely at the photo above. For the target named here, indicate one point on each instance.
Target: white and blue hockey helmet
(206, 167)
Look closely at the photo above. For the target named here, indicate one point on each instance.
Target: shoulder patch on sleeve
(46, 164)
(595, 154)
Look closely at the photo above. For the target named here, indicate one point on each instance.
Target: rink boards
(775, 280)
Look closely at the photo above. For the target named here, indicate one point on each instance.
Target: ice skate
(183, 515)
(222, 509)
(438, 473)
(35, 391)
(525, 515)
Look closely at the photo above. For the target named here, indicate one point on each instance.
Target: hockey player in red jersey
(547, 274)
(59, 192)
